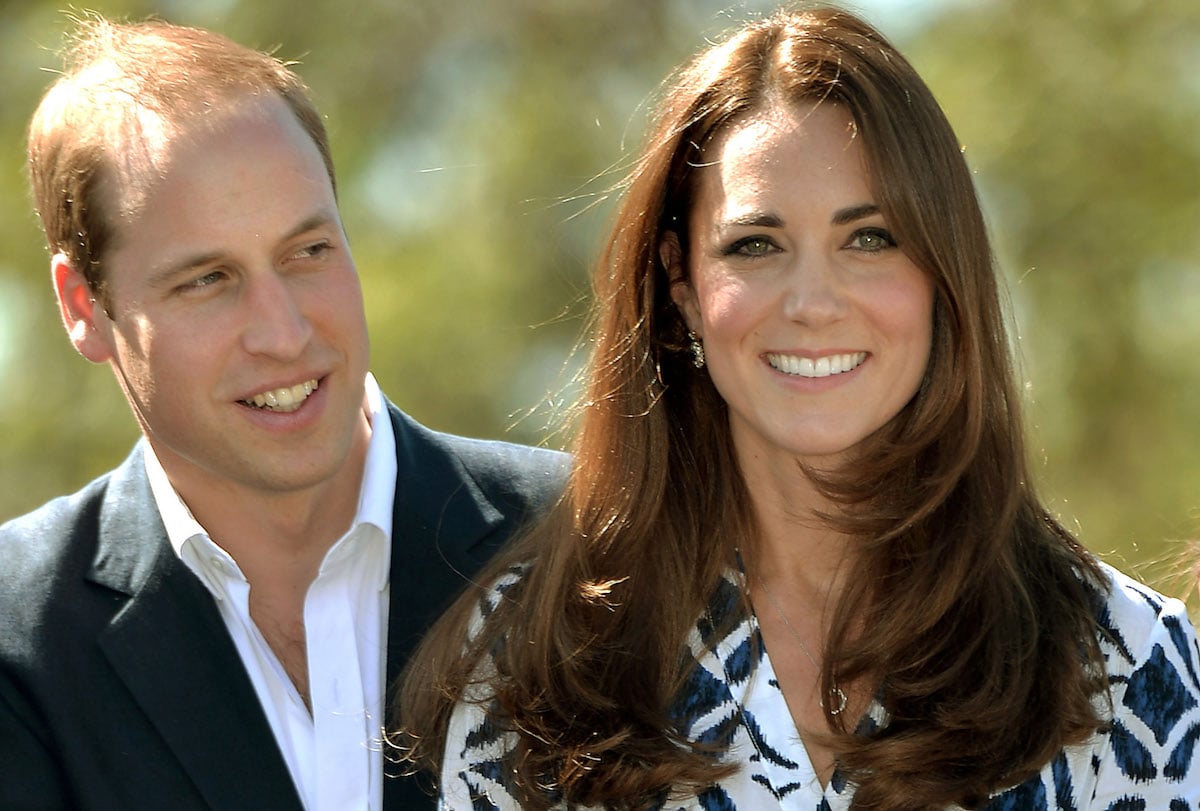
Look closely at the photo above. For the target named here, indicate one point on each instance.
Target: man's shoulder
(508, 464)
(42, 537)
(46, 555)
(507, 470)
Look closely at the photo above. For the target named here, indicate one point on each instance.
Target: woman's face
(816, 326)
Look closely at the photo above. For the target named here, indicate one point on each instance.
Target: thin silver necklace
(838, 702)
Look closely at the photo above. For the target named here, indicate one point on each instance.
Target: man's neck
(277, 534)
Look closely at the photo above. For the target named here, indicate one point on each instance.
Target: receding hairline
(142, 151)
(128, 91)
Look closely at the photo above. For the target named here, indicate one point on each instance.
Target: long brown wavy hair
(971, 607)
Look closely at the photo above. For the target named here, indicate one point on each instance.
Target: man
(214, 623)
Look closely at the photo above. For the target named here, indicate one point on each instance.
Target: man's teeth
(288, 399)
(816, 367)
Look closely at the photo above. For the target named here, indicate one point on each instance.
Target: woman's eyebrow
(850, 214)
(754, 219)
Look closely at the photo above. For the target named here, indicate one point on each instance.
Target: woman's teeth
(816, 367)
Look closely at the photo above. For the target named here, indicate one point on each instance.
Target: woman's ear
(682, 292)
(86, 323)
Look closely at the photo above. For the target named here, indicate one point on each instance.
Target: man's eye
(314, 250)
(206, 280)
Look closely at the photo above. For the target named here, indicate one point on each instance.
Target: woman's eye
(751, 246)
(872, 240)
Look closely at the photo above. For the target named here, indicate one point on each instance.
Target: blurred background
(475, 145)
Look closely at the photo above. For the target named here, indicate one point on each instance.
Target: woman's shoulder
(1138, 624)
(1145, 756)
(1152, 659)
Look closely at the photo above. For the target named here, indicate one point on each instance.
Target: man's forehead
(142, 153)
(189, 181)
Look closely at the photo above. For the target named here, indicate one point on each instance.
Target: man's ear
(83, 317)
(682, 292)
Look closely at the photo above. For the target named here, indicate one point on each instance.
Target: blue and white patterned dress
(1147, 761)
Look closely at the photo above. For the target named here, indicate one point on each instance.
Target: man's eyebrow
(845, 216)
(321, 219)
(165, 273)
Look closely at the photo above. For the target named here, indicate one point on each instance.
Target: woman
(799, 563)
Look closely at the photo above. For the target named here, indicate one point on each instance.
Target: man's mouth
(285, 399)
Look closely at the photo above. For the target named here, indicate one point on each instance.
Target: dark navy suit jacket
(119, 685)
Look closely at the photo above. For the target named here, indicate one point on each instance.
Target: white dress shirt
(334, 754)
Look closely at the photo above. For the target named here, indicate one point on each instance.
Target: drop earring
(697, 349)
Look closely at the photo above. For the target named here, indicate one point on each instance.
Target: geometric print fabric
(1145, 760)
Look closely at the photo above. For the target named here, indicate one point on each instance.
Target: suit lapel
(439, 516)
(170, 647)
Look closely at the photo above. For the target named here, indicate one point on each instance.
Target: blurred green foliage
(475, 145)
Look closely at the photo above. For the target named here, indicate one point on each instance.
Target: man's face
(235, 322)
